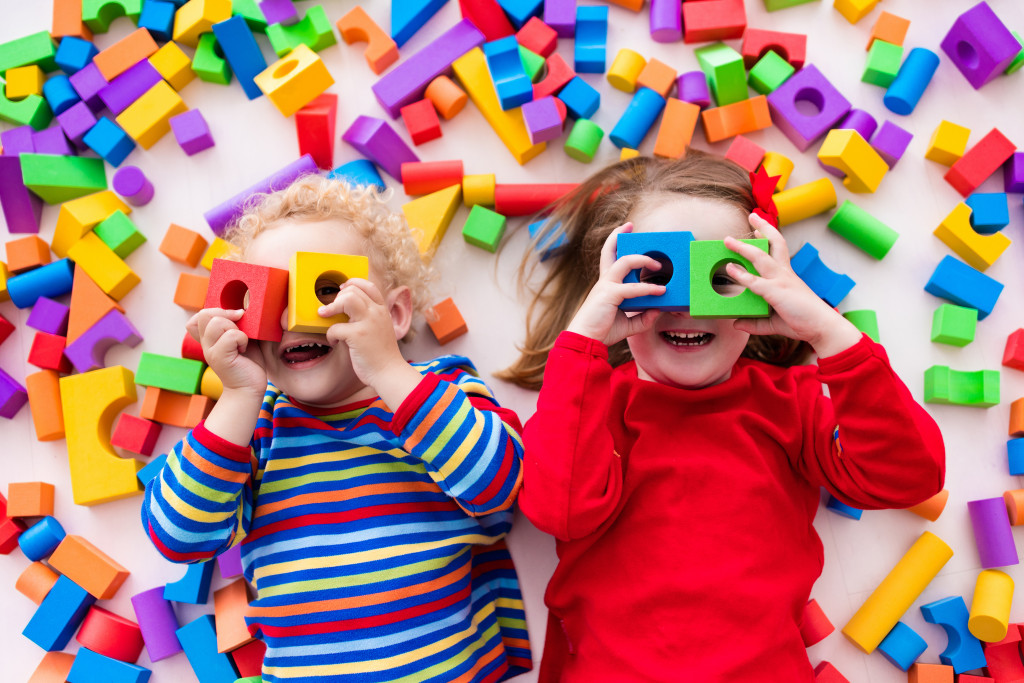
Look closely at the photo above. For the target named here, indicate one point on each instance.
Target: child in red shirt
(678, 461)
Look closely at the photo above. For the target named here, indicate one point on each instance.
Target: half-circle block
(963, 651)
(357, 26)
(963, 388)
(194, 586)
(980, 251)
(88, 351)
(110, 635)
(823, 281)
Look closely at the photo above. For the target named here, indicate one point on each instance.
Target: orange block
(44, 402)
(933, 507)
(26, 253)
(67, 20)
(36, 581)
(930, 673)
(89, 303)
(183, 245)
(1014, 506)
(449, 323)
(890, 29)
(658, 76)
(738, 118)
(229, 607)
(88, 566)
(448, 98)
(678, 122)
(125, 53)
(191, 291)
(54, 668)
(29, 499)
(1017, 417)
(634, 5)
(357, 27)
(172, 408)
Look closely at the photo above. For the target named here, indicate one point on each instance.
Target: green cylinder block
(582, 142)
(863, 230)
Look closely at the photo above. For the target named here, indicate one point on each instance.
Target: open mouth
(302, 353)
(687, 338)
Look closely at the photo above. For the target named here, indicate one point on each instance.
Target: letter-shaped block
(954, 325)
(848, 151)
(199, 640)
(194, 586)
(979, 162)
(310, 272)
(964, 285)
(953, 387)
(963, 651)
(157, 623)
(357, 26)
(92, 666)
(707, 257)
(911, 81)
(807, 85)
(902, 646)
(376, 140)
(221, 216)
(197, 17)
(980, 45)
(804, 201)
(431, 215)
(980, 251)
(59, 615)
(591, 39)
(359, 172)
(268, 295)
(559, 75)
(863, 230)
(103, 266)
(447, 323)
(295, 80)
(88, 350)
(738, 118)
(990, 520)
(506, 68)
(823, 281)
(313, 30)
(229, 605)
(672, 251)
(110, 635)
(990, 608)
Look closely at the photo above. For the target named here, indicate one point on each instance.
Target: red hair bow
(763, 186)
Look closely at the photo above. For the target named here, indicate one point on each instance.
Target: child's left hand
(797, 312)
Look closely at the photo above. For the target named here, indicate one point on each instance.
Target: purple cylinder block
(157, 622)
(666, 20)
(992, 532)
(132, 184)
(692, 87)
(221, 216)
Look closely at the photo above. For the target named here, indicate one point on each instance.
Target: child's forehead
(706, 218)
(279, 241)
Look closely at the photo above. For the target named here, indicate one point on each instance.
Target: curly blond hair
(393, 251)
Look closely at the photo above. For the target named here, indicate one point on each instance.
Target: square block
(542, 119)
(268, 296)
(191, 131)
(26, 253)
(672, 251)
(174, 65)
(295, 80)
(421, 121)
(135, 434)
(23, 81)
(120, 233)
(770, 72)
(657, 76)
(954, 325)
(313, 281)
(948, 143)
(990, 211)
(809, 85)
(890, 28)
(980, 45)
(29, 499)
(448, 323)
(47, 352)
(884, 60)
(190, 292)
(484, 228)
(183, 245)
(707, 257)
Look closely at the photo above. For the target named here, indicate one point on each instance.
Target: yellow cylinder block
(804, 201)
(478, 189)
(625, 69)
(776, 164)
(990, 609)
(210, 385)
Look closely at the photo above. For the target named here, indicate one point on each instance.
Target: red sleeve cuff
(851, 357)
(405, 412)
(577, 342)
(219, 445)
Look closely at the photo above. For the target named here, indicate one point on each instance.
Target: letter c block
(268, 295)
(307, 268)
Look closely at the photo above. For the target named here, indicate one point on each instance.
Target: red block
(47, 352)
(814, 624)
(979, 162)
(315, 125)
(192, 349)
(826, 673)
(523, 199)
(421, 121)
(559, 73)
(6, 327)
(424, 177)
(268, 296)
(249, 658)
(135, 434)
(1003, 659)
(713, 20)
(111, 635)
(790, 46)
(746, 153)
(1013, 355)
(538, 37)
(487, 16)
(10, 529)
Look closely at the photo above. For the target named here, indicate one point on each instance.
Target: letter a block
(310, 271)
(268, 296)
(706, 258)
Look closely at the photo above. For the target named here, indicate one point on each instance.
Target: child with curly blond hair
(371, 495)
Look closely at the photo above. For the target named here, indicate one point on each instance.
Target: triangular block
(408, 16)
(432, 214)
(89, 303)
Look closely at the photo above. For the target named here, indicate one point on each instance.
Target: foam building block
(559, 73)
(120, 234)
(963, 651)
(230, 604)
(36, 581)
(930, 673)
(666, 21)
(902, 646)
(92, 666)
(1002, 659)
(359, 172)
(279, 12)
(211, 385)
(446, 323)
(932, 508)
(580, 98)
(989, 619)
(538, 37)
(199, 641)
(197, 17)
(88, 350)
(678, 123)
(890, 28)
(10, 529)
(990, 211)
(980, 251)
(241, 52)
(190, 292)
(825, 672)
(542, 120)
(849, 152)
(992, 533)
(948, 143)
(738, 118)
(657, 76)
(221, 216)
(546, 239)
(56, 179)
(911, 81)
(513, 86)
(31, 49)
(59, 615)
(174, 65)
(73, 54)
(431, 215)
(960, 283)
(167, 372)
(51, 141)
(148, 118)
(1013, 353)
(883, 64)
(811, 85)
(484, 228)
(376, 140)
(707, 257)
(78, 216)
(41, 539)
(23, 81)
(295, 80)
(625, 70)
(421, 121)
(22, 209)
(158, 18)
(268, 295)
(52, 280)
(591, 39)
(357, 26)
(313, 31)
(840, 508)
(561, 16)
(315, 124)
(110, 635)
(129, 86)
(979, 162)
(716, 20)
(814, 624)
(208, 64)
(29, 499)
(26, 253)
(47, 352)
(522, 199)
(87, 82)
(170, 407)
(479, 188)
(770, 72)
(157, 623)
(135, 434)
(447, 97)
(726, 76)
(43, 390)
(826, 283)
(519, 11)
(308, 272)
(954, 387)
(757, 42)
(583, 140)
(980, 45)
(105, 267)
(863, 230)
(1013, 173)
(229, 562)
(132, 184)
(672, 251)
(640, 114)
(954, 325)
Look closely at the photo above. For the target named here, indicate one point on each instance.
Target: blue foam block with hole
(673, 247)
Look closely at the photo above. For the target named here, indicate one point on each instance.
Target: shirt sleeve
(871, 444)
(470, 445)
(201, 499)
(573, 478)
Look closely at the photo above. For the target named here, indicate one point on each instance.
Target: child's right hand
(600, 317)
(227, 350)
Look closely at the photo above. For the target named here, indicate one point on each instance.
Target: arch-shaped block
(963, 651)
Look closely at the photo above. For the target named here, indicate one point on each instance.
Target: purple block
(52, 141)
(891, 142)
(666, 20)
(219, 217)
(1013, 173)
(88, 82)
(18, 141)
(129, 86)
(279, 12)
(49, 316)
(376, 140)
(132, 184)
(992, 532)
(191, 131)
(542, 120)
(230, 562)
(980, 45)
(406, 82)
(806, 106)
(87, 352)
(157, 622)
(76, 122)
(12, 396)
(692, 87)
(561, 16)
(22, 209)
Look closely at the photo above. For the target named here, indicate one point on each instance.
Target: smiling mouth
(687, 338)
(304, 352)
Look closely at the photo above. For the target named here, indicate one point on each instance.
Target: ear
(399, 303)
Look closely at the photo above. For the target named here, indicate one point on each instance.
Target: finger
(351, 301)
(214, 329)
(609, 252)
(632, 290)
(761, 260)
(776, 242)
(619, 269)
(371, 290)
(642, 322)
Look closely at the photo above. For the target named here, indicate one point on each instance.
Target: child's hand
(227, 350)
(797, 312)
(600, 317)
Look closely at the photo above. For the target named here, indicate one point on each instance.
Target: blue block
(1015, 456)
(242, 53)
(41, 539)
(640, 115)
(52, 280)
(199, 640)
(672, 249)
(547, 243)
(520, 11)
(963, 285)
(408, 17)
(911, 81)
(158, 18)
(59, 615)
(591, 39)
(110, 141)
(92, 667)
(359, 172)
(840, 508)
(59, 94)
(74, 53)
(963, 651)
(511, 83)
(580, 98)
(194, 587)
(990, 211)
(151, 469)
(902, 646)
(823, 281)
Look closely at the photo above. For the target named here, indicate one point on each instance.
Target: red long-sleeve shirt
(684, 517)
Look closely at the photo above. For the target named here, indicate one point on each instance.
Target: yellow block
(23, 81)
(848, 151)
(990, 608)
(897, 592)
(103, 266)
(854, 10)
(471, 69)
(776, 164)
(625, 69)
(218, 249)
(79, 216)
(431, 215)
(628, 153)
(478, 189)
(148, 118)
(981, 251)
(90, 402)
(804, 201)
(174, 65)
(4, 274)
(196, 17)
(295, 80)
(948, 143)
(210, 385)
(307, 273)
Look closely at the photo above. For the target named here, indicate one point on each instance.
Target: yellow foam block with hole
(306, 271)
(981, 251)
(295, 80)
(174, 65)
(90, 403)
(103, 266)
(471, 69)
(79, 216)
(196, 17)
(148, 118)
(849, 152)
(948, 143)
(431, 215)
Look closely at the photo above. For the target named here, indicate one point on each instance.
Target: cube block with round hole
(295, 80)
(708, 257)
(672, 251)
(312, 272)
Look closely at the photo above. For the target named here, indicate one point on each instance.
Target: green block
(884, 61)
(726, 76)
(250, 11)
(250, 679)
(209, 63)
(954, 325)
(313, 31)
(29, 111)
(863, 230)
(866, 321)
(167, 372)
(769, 73)
(706, 258)
(533, 63)
(37, 48)
(583, 140)
(58, 179)
(954, 387)
(120, 234)
(98, 14)
(1018, 61)
(772, 5)
(484, 228)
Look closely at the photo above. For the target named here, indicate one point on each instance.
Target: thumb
(641, 323)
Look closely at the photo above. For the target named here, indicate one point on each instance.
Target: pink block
(87, 352)
(745, 152)
(191, 131)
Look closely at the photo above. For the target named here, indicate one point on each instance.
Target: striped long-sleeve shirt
(375, 540)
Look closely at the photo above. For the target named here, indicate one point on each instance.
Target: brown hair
(585, 218)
